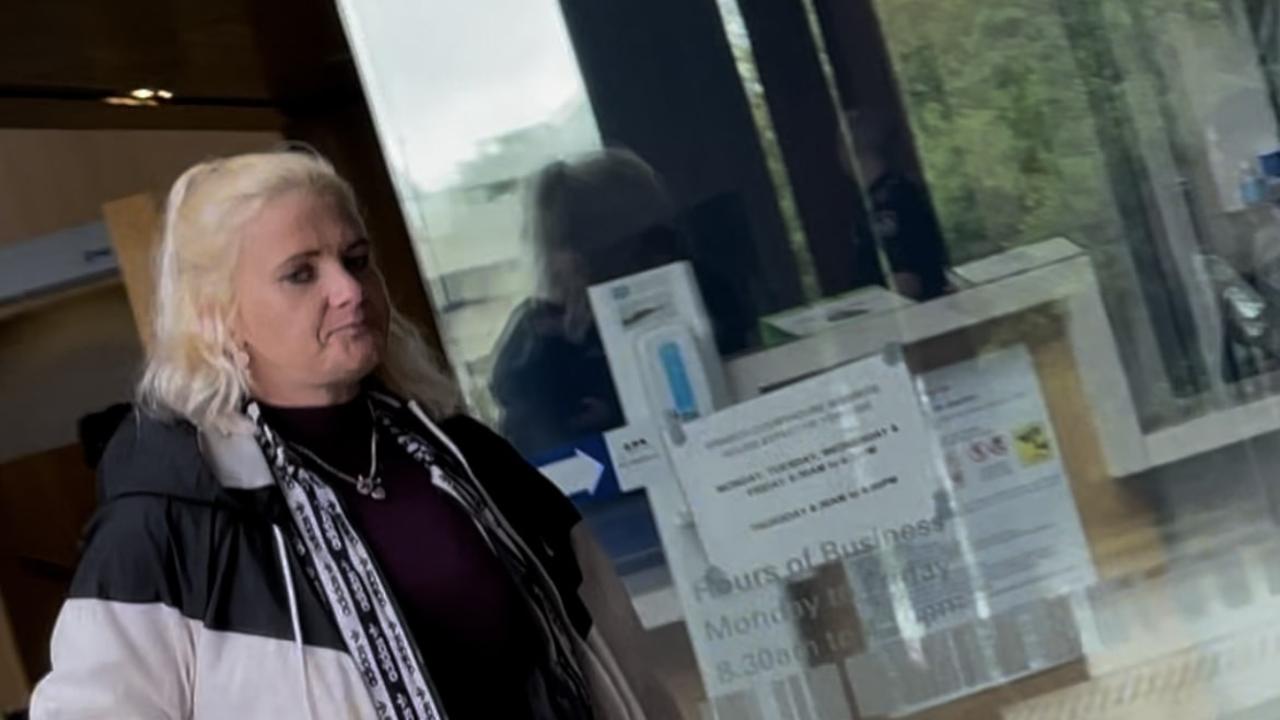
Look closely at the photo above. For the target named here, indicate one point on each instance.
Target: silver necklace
(369, 485)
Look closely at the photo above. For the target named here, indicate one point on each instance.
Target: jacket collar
(236, 460)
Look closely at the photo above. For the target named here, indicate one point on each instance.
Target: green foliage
(1029, 114)
(1001, 119)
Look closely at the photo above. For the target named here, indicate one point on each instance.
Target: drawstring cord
(298, 646)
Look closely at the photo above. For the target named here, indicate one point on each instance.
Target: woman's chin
(358, 366)
(367, 367)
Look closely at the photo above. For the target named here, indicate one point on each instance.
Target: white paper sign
(975, 586)
(745, 630)
(830, 467)
(1018, 513)
(1000, 572)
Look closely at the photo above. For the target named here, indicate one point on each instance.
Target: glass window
(1136, 130)
(461, 142)
(909, 359)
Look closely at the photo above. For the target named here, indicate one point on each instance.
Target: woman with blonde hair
(293, 525)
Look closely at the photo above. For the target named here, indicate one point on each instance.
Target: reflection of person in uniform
(589, 221)
(902, 217)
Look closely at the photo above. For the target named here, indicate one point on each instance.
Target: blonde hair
(191, 371)
(584, 206)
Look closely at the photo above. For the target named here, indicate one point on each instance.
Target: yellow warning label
(1033, 444)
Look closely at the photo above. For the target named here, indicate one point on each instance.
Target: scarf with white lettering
(339, 565)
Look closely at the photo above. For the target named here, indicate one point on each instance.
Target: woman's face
(311, 312)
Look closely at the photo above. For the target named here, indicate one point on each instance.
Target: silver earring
(241, 357)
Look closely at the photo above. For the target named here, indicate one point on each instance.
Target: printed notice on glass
(810, 473)
(1005, 467)
(989, 592)
(947, 581)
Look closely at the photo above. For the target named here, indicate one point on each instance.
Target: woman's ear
(220, 332)
(239, 348)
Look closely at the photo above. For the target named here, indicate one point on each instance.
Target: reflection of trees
(1001, 119)
(1165, 119)
(1264, 19)
(1020, 113)
(1037, 118)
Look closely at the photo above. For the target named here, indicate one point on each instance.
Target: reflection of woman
(590, 221)
(289, 529)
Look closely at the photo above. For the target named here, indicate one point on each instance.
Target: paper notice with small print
(1005, 467)
(921, 548)
(813, 472)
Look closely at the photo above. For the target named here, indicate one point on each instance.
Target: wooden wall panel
(14, 685)
(54, 179)
(134, 224)
(45, 501)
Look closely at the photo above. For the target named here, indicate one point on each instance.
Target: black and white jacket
(186, 603)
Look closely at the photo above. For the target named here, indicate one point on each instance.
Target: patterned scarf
(339, 565)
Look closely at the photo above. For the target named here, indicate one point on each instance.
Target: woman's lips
(359, 327)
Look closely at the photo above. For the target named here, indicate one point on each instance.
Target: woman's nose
(344, 288)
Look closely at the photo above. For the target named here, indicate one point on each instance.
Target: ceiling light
(140, 97)
(129, 101)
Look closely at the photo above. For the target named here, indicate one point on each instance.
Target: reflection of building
(471, 233)
(476, 222)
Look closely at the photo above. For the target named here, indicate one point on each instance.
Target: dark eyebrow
(305, 255)
(357, 244)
